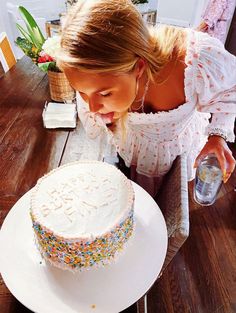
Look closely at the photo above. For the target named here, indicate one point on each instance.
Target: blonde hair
(110, 36)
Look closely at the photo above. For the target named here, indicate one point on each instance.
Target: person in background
(148, 91)
(216, 17)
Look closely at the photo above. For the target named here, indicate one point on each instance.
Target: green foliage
(32, 33)
(27, 47)
(48, 66)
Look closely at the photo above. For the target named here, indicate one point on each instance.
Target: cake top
(82, 199)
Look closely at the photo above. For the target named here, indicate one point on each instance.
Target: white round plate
(45, 289)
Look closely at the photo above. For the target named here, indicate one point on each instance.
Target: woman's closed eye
(108, 94)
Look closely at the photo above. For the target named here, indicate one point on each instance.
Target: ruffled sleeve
(215, 81)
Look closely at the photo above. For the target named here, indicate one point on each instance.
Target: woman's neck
(166, 92)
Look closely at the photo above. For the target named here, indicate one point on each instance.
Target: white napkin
(57, 115)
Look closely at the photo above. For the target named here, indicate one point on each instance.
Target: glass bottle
(208, 180)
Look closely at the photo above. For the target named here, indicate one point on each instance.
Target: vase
(60, 88)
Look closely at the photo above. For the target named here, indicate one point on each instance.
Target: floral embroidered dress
(217, 15)
(153, 140)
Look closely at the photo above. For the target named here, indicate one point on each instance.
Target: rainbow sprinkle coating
(77, 255)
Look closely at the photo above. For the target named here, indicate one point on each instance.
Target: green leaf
(44, 66)
(28, 18)
(49, 66)
(24, 44)
(34, 37)
(24, 33)
(34, 31)
(37, 36)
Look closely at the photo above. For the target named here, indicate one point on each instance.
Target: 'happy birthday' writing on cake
(80, 195)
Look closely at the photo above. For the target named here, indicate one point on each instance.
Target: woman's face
(107, 94)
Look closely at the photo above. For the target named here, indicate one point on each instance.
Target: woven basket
(60, 89)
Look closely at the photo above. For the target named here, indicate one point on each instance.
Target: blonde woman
(156, 86)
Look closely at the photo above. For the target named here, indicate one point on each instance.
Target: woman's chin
(111, 117)
(118, 115)
(107, 118)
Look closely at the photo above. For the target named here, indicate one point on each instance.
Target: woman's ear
(140, 67)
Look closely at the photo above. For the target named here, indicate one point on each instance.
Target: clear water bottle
(208, 180)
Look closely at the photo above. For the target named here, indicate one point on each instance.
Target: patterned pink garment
(153, 140)
(217, 15)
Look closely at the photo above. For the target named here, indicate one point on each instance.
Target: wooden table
(27, 149)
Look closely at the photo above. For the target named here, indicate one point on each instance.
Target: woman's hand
(202, 27)
(219, 147)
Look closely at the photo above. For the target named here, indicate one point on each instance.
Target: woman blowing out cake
(154, 88)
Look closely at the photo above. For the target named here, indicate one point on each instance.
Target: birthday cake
(82, 214)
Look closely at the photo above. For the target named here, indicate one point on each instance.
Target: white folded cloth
(59, 115)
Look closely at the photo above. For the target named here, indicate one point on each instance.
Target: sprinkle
(113, 188)
(113, 200)
(76, 255)
(45, 211)
(68, 198)
(89, 204)
(58, 206)
(69, 210)
(104, 204)
(70, 218)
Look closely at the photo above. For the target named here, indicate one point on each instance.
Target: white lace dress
(153, 140)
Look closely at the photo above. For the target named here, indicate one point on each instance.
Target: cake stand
(45, 289)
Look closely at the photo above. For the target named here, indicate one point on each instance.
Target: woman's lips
(107, 118)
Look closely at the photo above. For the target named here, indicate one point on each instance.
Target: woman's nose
(94, 105)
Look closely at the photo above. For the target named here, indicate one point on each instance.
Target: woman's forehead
(78, 72)
(87, 79)
(95, 77)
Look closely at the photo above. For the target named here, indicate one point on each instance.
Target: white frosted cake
(82, 214)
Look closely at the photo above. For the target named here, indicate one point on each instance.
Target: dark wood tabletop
(27, 149)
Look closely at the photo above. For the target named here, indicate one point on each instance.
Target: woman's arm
(216, 88)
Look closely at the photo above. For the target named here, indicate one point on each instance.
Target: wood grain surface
(202, 276)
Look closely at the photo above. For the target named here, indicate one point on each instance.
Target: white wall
(186, 13)
(4, 24)
(48, 9)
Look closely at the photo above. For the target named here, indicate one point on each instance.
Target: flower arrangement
(42, 51)
(47, 57)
